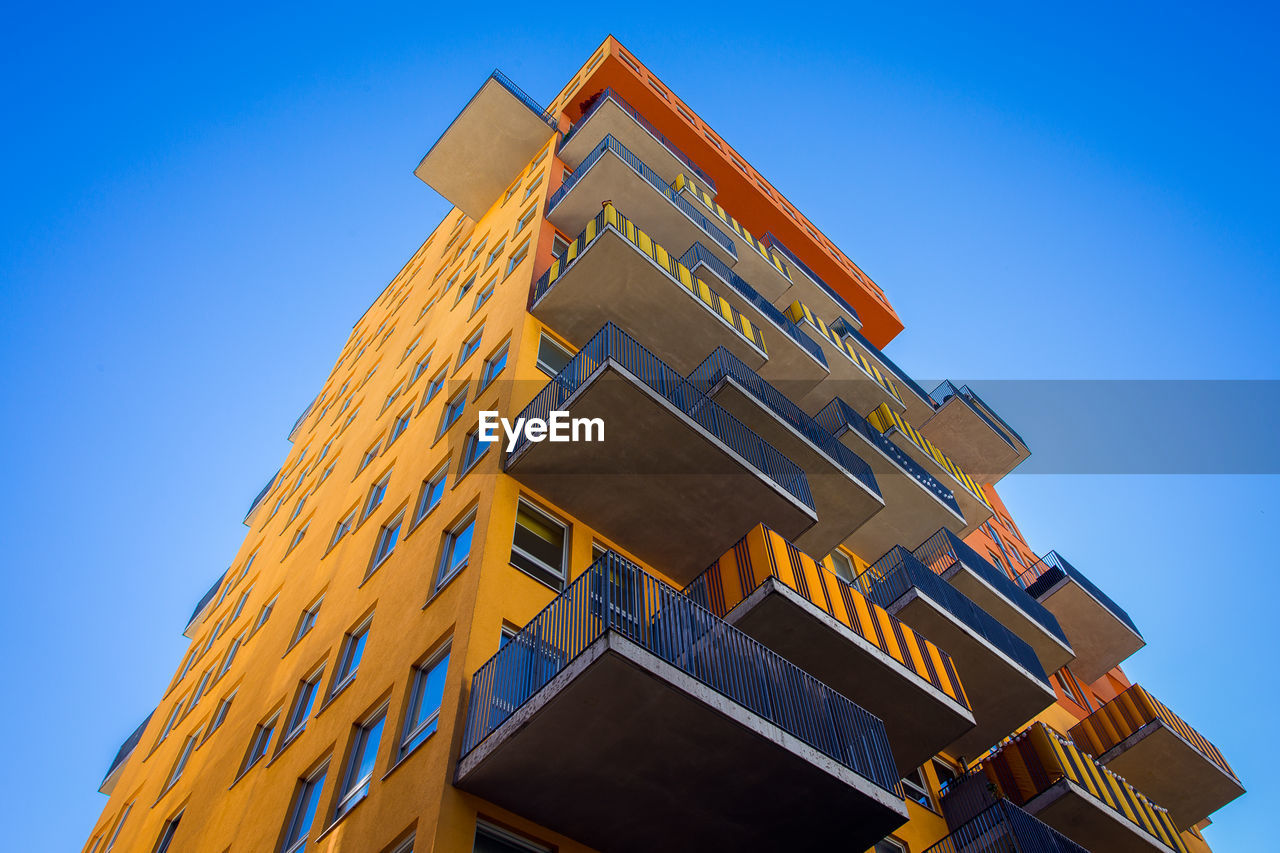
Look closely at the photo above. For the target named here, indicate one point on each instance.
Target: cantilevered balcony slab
(995, 592)
(116, 770)
(1100, 631)
(972, 434)
(852, 377)
(630, 719)
(1137, 737)
(1003, 679)
(614, 273)
(612, 173)
(845, 494)
(676, 480)
(495, 136)
(776, 593)
(915, 502)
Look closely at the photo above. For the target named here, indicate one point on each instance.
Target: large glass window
(552, 358)
(425, 697)
(364, 754)
(538, 546)
(302, 813)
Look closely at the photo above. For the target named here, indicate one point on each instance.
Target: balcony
(973, 434)
(610, 115)
(796, 362)
(122, 755)
(915, 503)
(995, 592)
(1046, 775)
(1004, 828)
(676, 480)
(852, 376)
(1137, 737)
(771, 274)
(772, 591)
(845, 494)
(973, 502)
(809, 286)
(614, 273)
(1101, 633)
(257, 501)
(205, 600)
(1003, 678)
(628, 717)
(612, 173)
(495, 136)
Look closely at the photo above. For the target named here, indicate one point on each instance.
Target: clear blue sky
(199, 201)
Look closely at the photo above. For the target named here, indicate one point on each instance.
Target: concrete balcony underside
(1172, 772)
(1086, 820)
(483, 150)
(750, 263)
(623, 751)
(968, 439)
(1002, 694)
(1101, 639)
(920, 719)
(843, 503)
(974, 510)
(613, 281)
(689, 497)
(845, 380)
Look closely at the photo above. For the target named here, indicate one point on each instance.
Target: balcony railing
(944, 549)
(897, 572)
(613, 344)
(547, 115)
(610, 219)
(799, 312)
(844, 329)
(616, 595)
(681, 184)
(723, 364)
(839, 415)
(736, 575)
(610, 95)
(698, 253)
(778, 246)
(885, 419)
(611, 145)
(946, 390)
(1005, 828)
(1050, 569)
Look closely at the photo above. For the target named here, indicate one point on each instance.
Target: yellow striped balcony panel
(1049, 777)
(973, 434)
(861, 383)
(1137, 736)
(767, 271)
(973, 501)
(772, 591)
(615, 273)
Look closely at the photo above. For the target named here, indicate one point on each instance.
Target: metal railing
(617, 595)
(126, 749)
(898, 571)
(884, 419)
(944, 549)
(846, 330)
(612, 345)
(682, 184)
(1046, 572)
(700, 254)
(546, 114)
(722, 364)
(946, 390)
(839, 416)
(771, 240)
(609, 144)
(1004, 828)
(609, 94)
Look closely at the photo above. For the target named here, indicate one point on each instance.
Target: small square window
(260, 743)
(457, 550)
(552, 358)
(452, 411)
(377, 493)
(364, 754)
(526, 218)
(369, 455)
(349, 660)
(400, 424)
(388, 536)
(297, 538)
(473, 449)
(493, 366)
(264, 614)
(559, 246)
(496, 253)
(539, 546)
(462, 291)
(533, 187)
(437, 384)
(300, 711)
(420, 368)
(432, 492)
(517, 256)
(422, 713)
(482, 296)
(306, 622)
(470, 345)
(303, 813)
(343, 528)
(220, 715)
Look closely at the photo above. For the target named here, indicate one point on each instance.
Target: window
(473, 448)
(475, 253)
(422, 714)
(244, 596)
(392, 397)
(496, 253)
(420, 368)
(432, 492)
(173, 718)
(482, 296)
(166, 835)
(843, 566)
(260, 743)
(559, 246)
(466, 288)
(492, 839)
(297, 508)
(437, 384)
(538, 546)
(400, 425)
(532, 188)
(889, 845)
(297, 537)
(511, 191)
(914, 788)
(526, 218)
(327, 472)
(377, 492)
(302, 813)
(452, 411)
(408, 351)
(517, 256)
(302, 703)
(469, 346)
(220, 715)
(306, 622)
(230, 656)
(945, 775)
(537, 162)
(449, 283)
(388, 536)
(552, 358)
(349, 661)
(119, 825)
(364, 753)
(369, 455)
(343, 528)
(493, 366)
(184, 754)
(457, 550)
(264, 614)
(199, 692)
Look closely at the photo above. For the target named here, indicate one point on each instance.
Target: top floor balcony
(497, 133)
(193, 624)
(122, 755)
(973, 434)
(1099, 630)
(253, 507)
(1139, 738)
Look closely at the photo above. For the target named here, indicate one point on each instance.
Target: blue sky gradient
(199, 201)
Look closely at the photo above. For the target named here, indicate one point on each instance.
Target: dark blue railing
(546, 115)
(946, 390)
(207, 597)
(611, 344)
(898, 572)
(838, 417)
(653, 178)
(611, 95)
(723, 364)
(845, 330)
(617, 595)
(944, 549)
(126, 749)
(770, 240)
(700, 254)
(1004, 828)
(262, 494)
(1052, 568)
